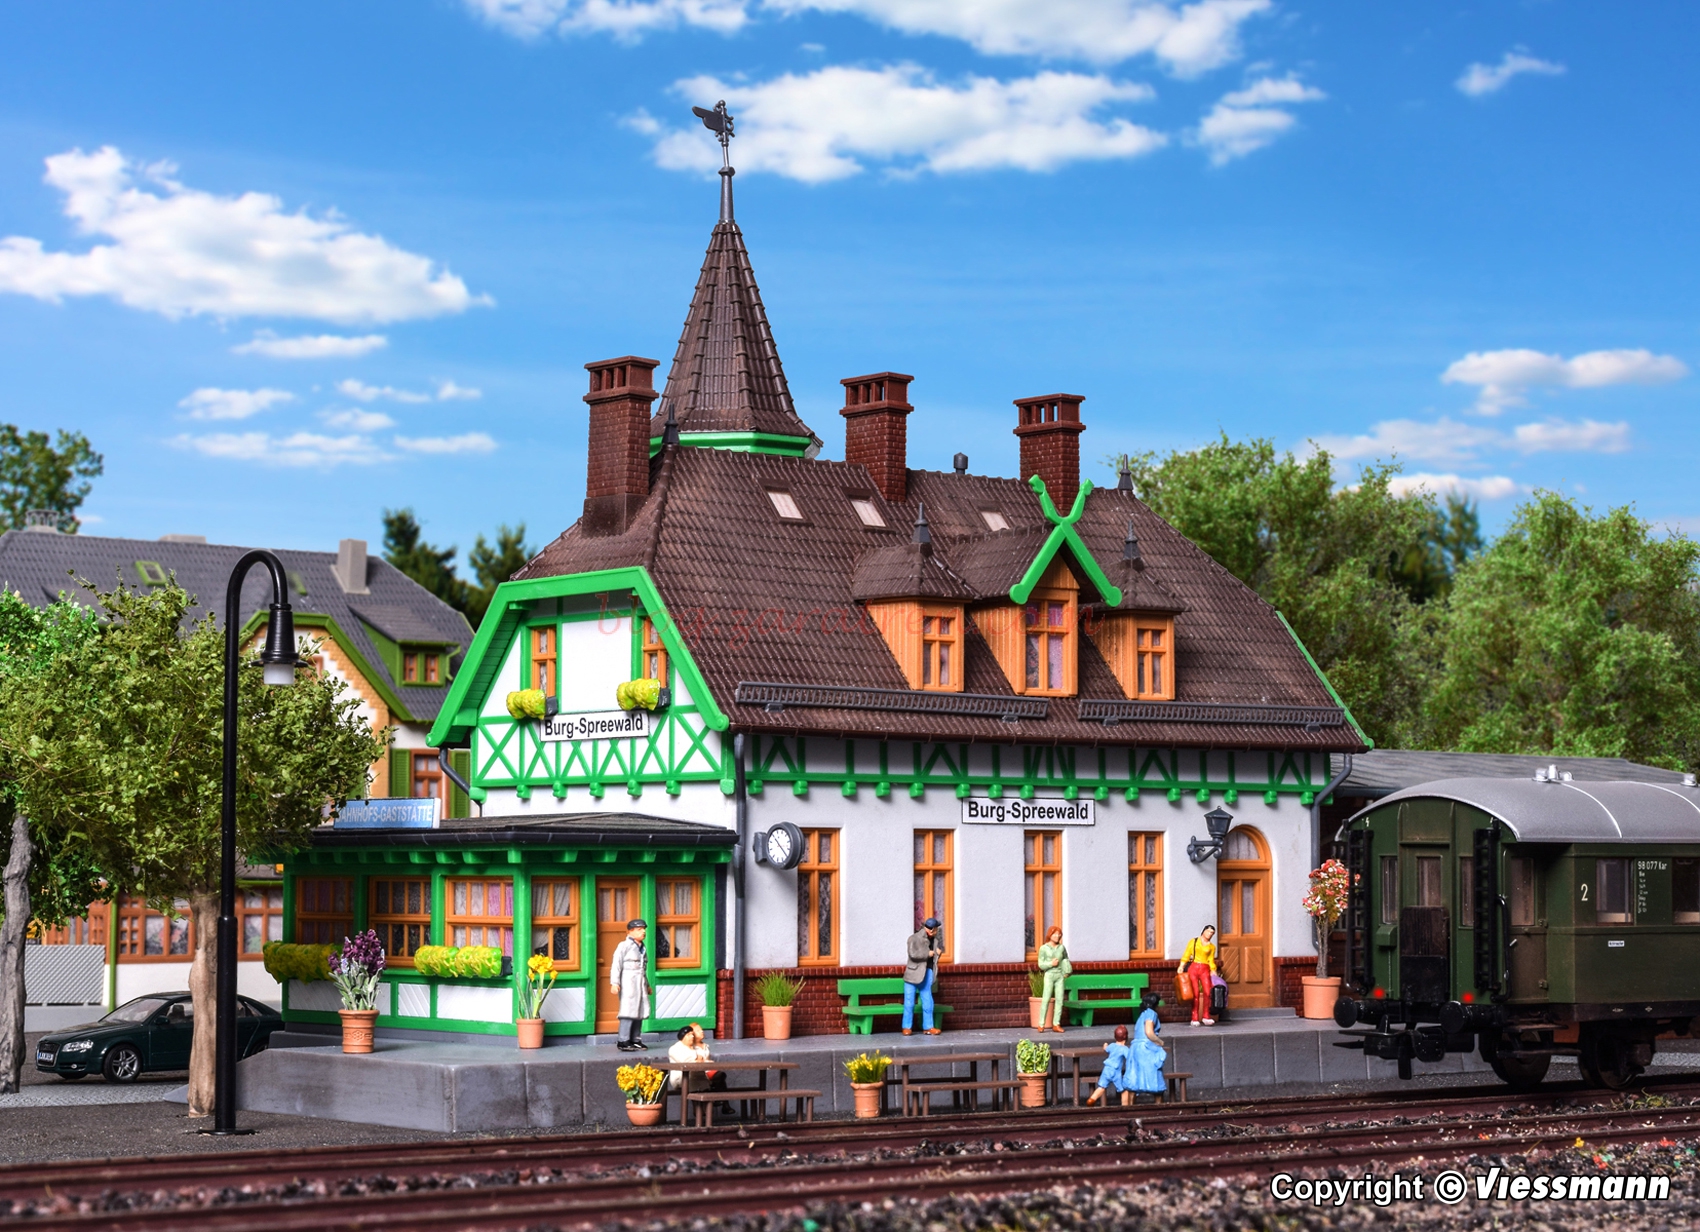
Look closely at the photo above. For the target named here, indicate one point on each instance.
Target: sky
(288, 265)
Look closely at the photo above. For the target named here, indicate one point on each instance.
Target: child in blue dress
(1116, 1069)
(1146, 1055)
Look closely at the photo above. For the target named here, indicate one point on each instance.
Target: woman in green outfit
(1054, 963)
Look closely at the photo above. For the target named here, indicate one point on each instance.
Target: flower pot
(644, 1114)
(357, 1029)
(1032, 1089)
(530, 1032)
(776, 1022)
(1035, 1007)
(867, 1096)
(1320, 995)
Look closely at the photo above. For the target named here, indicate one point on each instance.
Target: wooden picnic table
(922, 1088)
(731, 1094)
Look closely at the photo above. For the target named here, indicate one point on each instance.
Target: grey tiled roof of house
(1385, 771)
(39, 566)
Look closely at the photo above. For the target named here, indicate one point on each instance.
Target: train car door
(1424, 927)
(618, 901)
(1243, 925)
(1526, 939)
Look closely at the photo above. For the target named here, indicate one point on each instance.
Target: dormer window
(421, 667)
(926, 640)
(1139, 648)
(867, 511)
(785, 505)
(941, 648)
(994, 520)
(1048, 624)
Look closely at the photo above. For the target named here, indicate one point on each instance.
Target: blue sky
(289, 264)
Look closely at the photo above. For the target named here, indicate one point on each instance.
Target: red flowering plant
(1325, 902)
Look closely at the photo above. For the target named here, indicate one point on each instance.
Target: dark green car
(148, 1034)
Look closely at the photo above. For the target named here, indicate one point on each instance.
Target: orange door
(618, 899)
(1242, 889)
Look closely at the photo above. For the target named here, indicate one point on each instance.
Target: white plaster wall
(701, 802)
(140, 979)
(412, 736)
(596, 659)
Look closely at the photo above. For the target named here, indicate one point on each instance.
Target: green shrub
(1031, 1058)
(867, 1067)
(285, 961)
(450, 962)
(1035, 983)
(526, 703)
(774, 989)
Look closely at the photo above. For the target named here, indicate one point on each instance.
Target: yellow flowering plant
(539, 979)
(640, 1083)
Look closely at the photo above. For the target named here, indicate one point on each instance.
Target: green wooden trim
(741, 442)
(1326, 683)
(379, 682)
(509, 609)
(1063, 532)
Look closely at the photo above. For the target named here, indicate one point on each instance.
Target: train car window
(1428, 882)
(1522, 870)
(1685, 891)
(1389, 889)
(1466, 891)
(1611, 879)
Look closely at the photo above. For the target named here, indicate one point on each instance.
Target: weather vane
(719, 122)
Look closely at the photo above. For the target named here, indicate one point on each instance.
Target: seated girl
(1115, 1071)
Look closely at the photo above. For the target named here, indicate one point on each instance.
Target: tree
(1453, 536)
(432, 567)
(1575, 634)
(493, 566)
(37, 474)
(121, 743)
(49, 873)
(1324, 556)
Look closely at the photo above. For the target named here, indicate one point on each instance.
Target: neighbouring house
(358, 618)
(876, 692)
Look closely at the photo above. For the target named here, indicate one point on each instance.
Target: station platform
(459, 1087)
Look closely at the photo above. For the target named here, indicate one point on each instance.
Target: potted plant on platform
(1032, 1070)
(539, 979)
(867, 1081)
(356, 971)
(1035, 997)
(642, 1085)
(777, 993)
(1325, 902)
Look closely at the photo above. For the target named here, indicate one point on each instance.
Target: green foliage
(1452, 538)
(1035, 983)
(526, 703)
(867, 1067)
(643, 692)
(1032, 1058)
(458, 962)
(284, 960)
(776, 990)
(38, 474)
(1575, 634)
(433, 567)
(494, 565)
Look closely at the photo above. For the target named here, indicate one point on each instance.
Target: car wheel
(122, 1064)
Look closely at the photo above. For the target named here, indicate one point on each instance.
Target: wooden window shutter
(401, 773)
(460, 761)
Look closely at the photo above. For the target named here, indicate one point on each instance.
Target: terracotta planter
(357, 1029)
(1320, 995)
(1035, 1007)
(867, 1096)
(776, 1022)
(1032, 1089)
(530, 1032)
(645, 1114)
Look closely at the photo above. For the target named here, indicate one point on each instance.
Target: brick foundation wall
(980, 994)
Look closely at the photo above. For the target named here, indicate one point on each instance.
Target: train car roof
(1564, 811)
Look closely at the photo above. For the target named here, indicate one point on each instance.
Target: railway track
(567, 1182)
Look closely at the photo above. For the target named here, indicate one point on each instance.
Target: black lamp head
(1219, 822)
(278, 658)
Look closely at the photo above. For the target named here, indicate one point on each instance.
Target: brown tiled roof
(758, 598)
(907, 571)
(726, 374)
(1141, 591)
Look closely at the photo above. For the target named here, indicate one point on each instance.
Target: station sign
(599, 725)
(1014, 811)
(424, 813)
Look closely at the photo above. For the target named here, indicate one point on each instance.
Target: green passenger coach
(1527, 918)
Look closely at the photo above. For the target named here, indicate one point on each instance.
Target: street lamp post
(278, 661)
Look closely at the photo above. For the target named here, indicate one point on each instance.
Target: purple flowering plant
(356, 970)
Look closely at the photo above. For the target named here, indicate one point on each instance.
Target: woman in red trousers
(1197, 962)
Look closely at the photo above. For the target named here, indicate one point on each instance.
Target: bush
(448, 961)
(1031, 1058)
(285, 961)
(1035, 983)
(774, 989)
(526, 703)
(867, 1067)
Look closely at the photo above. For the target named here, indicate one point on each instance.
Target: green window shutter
(401, 773)
(460, 761)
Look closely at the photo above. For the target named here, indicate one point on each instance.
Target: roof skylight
(994, 520)
(784, 505)
(867, 511)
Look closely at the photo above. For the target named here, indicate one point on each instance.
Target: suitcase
(1219, 1002)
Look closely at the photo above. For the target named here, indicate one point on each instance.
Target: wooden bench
(1131, 985)
(921, 1094)
(860, 1016)
(700, 1105)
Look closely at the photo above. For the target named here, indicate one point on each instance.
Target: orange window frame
(818, 897)
(1144, 895)
(259, 919)
(1048, 654)
(678, 921)
(139, 924)
(554, 910)
(425, 769)
(935, 852)
(545, 649)
(652, 654)
(1154, 660)
(941, 649)
(1042, 852)
(479, 911)
(324, 910)
(400, 912)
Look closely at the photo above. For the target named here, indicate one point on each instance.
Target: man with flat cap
(925, 946)
(628, 975)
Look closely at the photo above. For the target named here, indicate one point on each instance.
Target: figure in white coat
(628, 975)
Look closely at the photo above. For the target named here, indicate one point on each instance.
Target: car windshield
(139, 1010)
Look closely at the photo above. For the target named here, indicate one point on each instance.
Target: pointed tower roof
(727, 387)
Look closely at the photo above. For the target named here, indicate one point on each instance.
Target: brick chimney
(1050, 431)
(617, 468)
(876, 429)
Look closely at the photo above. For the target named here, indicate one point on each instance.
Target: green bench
(860, 1015)
(1131, 986)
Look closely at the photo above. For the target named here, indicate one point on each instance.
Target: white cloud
(625, 19)
(180, 251)
(467, 442)
(448, 391)
(321, 346)
(1588, 436)
(1505, 376)
(357, 420)
(1489, 487)
(299, 449)
(362, 392)
(1249, 119)
(828, 124)
(1446, 441)
(213, 403)
(1483, 79)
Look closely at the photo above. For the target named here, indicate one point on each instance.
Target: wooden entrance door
(1243, 928)
(618, 900)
